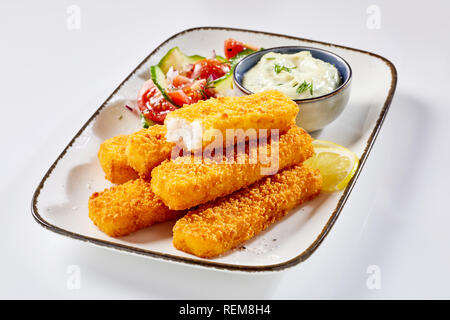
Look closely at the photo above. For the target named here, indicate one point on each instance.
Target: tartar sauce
(298, 75)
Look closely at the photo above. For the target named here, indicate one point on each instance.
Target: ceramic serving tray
(60, 200)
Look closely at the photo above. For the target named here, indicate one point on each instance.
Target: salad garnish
(179, 79)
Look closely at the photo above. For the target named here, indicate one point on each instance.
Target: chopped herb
(121, 117)
(305, 86)
(144, 122)
(278, 68)
(280, 84)
(209, 85)
(203, 93)
(270, 58)
(294, 84)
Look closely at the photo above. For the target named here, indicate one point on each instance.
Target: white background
(397, 217)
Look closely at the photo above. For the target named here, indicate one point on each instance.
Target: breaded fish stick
(225, 223)
(114, 162)
(185, 182)
(147, 148)
(265, 110)
(128, 207)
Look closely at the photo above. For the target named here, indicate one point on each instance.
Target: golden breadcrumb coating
(114, 162)
(147, 148)
(128, 207)
(265, 110)
(225, 223)
(185, 182)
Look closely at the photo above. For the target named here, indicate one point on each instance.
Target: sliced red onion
(171, 74)
(133, 110)
(196, 71)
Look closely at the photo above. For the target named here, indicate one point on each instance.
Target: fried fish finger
(114, 161)
(265, 110)
(185, 182)
(147, 148)
(225, 223)
(128, 207)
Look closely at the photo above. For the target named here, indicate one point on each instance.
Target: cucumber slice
(221, 59)
(224, 84)
(159, 79)
(177, 59)
(239, 56)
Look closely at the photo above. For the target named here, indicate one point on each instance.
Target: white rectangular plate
(60, 201)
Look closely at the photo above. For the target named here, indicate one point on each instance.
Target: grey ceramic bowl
(315, 113)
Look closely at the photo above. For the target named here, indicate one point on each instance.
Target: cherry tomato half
(152, 104)
(232, 48)
(208, 68)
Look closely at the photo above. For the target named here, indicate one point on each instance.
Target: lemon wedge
(336, 163)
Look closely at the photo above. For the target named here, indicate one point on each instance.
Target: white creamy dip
(298, 75)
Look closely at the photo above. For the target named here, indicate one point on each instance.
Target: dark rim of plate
(341, 87)
(207, 263)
